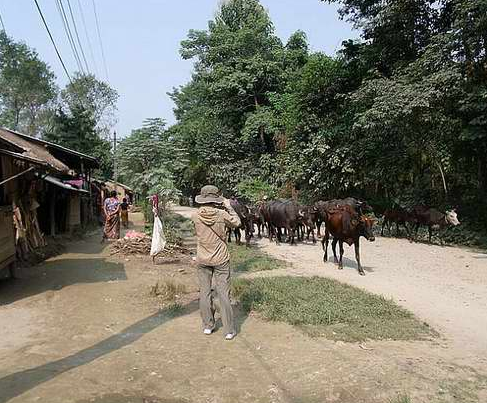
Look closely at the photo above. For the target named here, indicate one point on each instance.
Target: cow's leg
(416, 228)
(312, 231)
(324, 245)
(229, 234)
(238, 236)
(248, 236)
(340, 264)
(278, 235)
(440, 235)
(397, 229)
(430, 232)
(318, 225)
(382, 229)
(357, 257)
(292, 233)
(334, 248)
(406, 227)
(259, 226)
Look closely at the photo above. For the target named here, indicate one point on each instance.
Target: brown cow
(346, 226)
(322, 207)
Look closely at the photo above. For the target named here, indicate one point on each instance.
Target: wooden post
(52, 208)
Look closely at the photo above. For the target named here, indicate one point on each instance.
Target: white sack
(158, 238)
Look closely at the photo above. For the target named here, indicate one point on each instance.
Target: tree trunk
(482, 174)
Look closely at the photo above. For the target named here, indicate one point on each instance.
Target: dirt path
(445, 286)
(82, 328)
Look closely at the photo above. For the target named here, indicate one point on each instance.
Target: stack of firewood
(28, 234)
(142, 246)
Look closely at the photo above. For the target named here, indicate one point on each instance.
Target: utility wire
(90, 48)
(67, 30)
(52, 40)
(1, 22)
(99, 39)
(77, 36)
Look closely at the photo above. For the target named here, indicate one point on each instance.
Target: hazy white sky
(141, 42)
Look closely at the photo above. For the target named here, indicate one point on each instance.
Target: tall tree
(96, 97)
(27, 88)
(76, 130)
(149, 158)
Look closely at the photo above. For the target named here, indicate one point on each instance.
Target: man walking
(212, 256)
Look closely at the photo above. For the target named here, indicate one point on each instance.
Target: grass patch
(167, 290)
(401, 399)
(247, 260)
(325, 307)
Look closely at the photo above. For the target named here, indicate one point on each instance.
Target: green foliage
(27, 88)
(148, 159)
(255, 190)
(96, 97)
(76, 130)
(400, 115)
(325, 307)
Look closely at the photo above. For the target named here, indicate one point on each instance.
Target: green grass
(325, 307)
(247, 260)
(401, 399)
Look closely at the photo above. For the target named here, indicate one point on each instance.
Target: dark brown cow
(433, 219)
(322, 207)
(246, 220)
(399, 216)
(282, 214)
(347, 226)
(258, 219)
(307, 222)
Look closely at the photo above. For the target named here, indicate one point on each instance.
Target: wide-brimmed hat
(209, 194)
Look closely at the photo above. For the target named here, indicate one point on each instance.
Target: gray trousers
(221, 276)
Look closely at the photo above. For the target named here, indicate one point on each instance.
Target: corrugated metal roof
(22, 157)
(86, 157)
(28, 148)
(67, 186)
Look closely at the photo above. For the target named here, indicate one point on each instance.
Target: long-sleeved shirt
(210, 225)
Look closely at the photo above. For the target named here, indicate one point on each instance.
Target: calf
(398, 216)
(346, 226)
(433, 219)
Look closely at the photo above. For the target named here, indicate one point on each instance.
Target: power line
(52, 40)
(87, 36)
(67, 30)
(99, 39)
(77, 36)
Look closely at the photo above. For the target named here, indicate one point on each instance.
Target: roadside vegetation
(248, 260)
(325, 307)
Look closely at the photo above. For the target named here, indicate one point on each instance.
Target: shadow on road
(58, 273)
(14, 385)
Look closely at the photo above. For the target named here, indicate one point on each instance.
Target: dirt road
(82, 328)
(445, 286)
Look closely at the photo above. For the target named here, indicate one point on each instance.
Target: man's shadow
(20, 382)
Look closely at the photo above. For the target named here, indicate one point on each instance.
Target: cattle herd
(345, 220)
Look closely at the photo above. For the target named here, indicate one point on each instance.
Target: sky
(141, 41)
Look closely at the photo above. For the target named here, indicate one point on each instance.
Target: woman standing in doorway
(111, 208)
